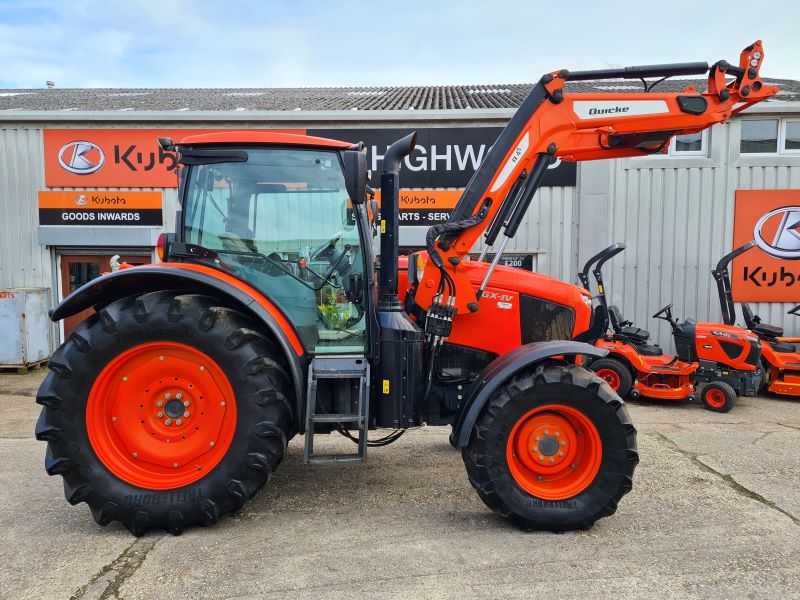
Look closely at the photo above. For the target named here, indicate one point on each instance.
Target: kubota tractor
(721, 360)
(174, 402)
(780, 356)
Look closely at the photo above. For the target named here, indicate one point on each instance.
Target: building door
(79, 269)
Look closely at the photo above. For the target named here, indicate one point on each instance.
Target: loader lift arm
(552, 123)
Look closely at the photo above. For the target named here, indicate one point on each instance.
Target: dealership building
(66, 152)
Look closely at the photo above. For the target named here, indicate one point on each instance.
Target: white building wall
(23, 262)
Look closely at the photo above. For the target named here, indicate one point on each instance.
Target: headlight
(587, 300)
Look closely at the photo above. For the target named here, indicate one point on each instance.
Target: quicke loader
(174, 401)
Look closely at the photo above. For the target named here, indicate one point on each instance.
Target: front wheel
(718, 397)
(553, 449)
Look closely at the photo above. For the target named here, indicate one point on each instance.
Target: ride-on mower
(174, 402)
(780, 356)
(721, 360)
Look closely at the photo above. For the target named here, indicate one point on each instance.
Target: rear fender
(506, 366)
(195, 279)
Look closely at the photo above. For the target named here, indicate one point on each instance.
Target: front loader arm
(552, 124)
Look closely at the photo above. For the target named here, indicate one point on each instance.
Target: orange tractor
(173, 403)
(722, 360)
(780, 356)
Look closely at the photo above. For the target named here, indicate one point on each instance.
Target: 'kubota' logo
(81, 158)
(81, 200)
(778, 232)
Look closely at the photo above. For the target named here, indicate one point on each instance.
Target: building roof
(446, 97)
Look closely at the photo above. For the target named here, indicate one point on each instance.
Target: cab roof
(262, 137)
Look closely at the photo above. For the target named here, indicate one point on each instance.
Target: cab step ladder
(338, 367)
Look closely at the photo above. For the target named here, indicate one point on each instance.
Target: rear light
(161, 247)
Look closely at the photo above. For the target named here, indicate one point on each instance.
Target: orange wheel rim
(554, 452)
(715, 399)
(611, 377)
(161, 415)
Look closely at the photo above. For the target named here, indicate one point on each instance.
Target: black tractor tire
(718, 396)
(262, 389)
(577, 389)
(620, 370)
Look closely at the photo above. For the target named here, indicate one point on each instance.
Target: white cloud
(162, 43)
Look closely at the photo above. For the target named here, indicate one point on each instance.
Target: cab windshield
(281, 220)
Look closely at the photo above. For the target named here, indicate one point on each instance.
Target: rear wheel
(615, 373)
(165, 410)
(718, 396)
(553, 449)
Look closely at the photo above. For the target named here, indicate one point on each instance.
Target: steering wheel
(326, 247)
(663, 311)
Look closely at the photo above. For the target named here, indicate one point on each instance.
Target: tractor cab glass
(282, 221)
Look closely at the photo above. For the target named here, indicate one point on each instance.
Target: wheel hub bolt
(179, 395)
(160, 414)
(563, 443)
(178, 422)
(561, 454)
(174, 465)
(167, 396)
(212, 444)
(202, 369)
(168, 422)
(222, 404)
(113, 419)
(124, 379)
(186, 403)
(135, 455)
(187, 414)
(159, 403)
(552, 460)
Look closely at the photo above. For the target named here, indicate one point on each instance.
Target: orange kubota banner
(425, 207)
(771, 271)
(114, 158)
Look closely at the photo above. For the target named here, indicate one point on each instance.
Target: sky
(310, 43)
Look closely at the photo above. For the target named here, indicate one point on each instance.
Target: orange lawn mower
(721, 360)
(780, 356)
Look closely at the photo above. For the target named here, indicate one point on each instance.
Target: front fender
(195, 279)
(506, 366)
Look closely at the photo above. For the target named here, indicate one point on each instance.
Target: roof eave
(255, 115)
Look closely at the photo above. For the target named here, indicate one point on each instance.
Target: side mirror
(355, 175)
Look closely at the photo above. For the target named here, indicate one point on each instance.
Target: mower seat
(766, 331)
(782, 347)
(626, 328)
(754, 324)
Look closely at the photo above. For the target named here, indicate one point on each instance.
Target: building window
(692, 144)
(791, 137)
(759, 136)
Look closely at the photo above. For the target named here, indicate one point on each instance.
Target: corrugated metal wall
(676, 217)
(549, 231)
(23, 262)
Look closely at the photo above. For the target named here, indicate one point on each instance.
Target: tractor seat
(626, 328)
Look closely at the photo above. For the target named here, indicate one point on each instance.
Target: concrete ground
(714, 513)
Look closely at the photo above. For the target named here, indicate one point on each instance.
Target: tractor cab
(281, 219)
